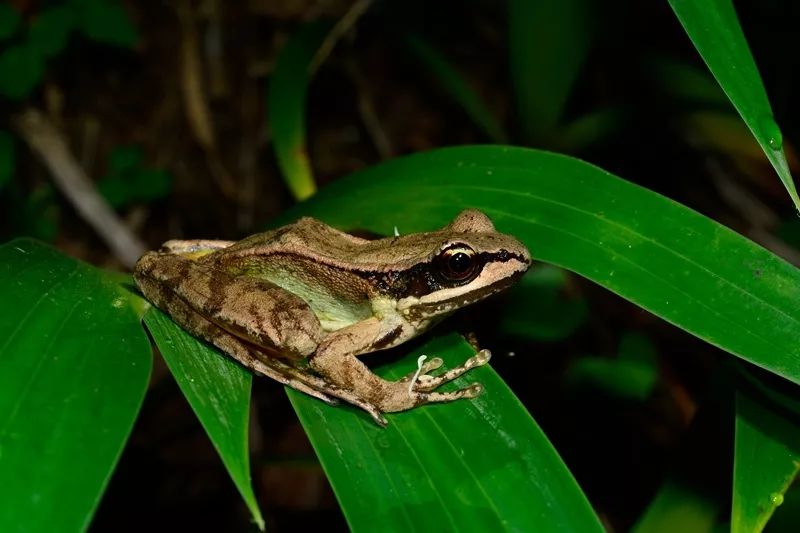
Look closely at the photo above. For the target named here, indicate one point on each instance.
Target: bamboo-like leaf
(429, 470)
(660, 255)
(286, 104)
(766, 461)
(714, 29)
(218, 391)
(74, 367)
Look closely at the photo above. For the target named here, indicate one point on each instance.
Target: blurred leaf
(123, 159)
(548, 43)
(687, 83)
(218, 391)
(714, 29)
(678, 507)
(588, 129)
(21, 71)
(107, 22)
(766, 461)
(286, 104)
(631, 375)
(541, 311)
(664, 257)
(9, 20)
(129, 181)
(74, 368)
(429, 470)
(7, 160)
(51, 29)
(457, 87)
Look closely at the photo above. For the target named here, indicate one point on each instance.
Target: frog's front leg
(336, 361)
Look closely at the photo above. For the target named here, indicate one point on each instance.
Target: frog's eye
(457, 263)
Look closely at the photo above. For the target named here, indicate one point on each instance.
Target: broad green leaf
(107, 22)
(218, 391)
(7, 158)
(286, 105)
(548, 42)
(660, 255)
(21, 71)
(74, 367)
(679, 507)
(766, 461)
(9, 20)
(457, 87)
(429, 469)
(714, 29)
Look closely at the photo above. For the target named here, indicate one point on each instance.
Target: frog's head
(462, 263)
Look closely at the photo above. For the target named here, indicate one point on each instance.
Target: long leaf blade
(766, 461)
(219, 393)
(658, 254)
(286, 103)
(429, 470)
(74, 367)
(714, 29)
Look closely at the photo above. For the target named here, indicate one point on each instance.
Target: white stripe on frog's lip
(447, 300)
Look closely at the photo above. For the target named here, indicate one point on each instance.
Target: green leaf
(541, 311)
(662, 256)
(107, 22)
(21, 71)
(714, 29)
(74, 367)
(457, 87)
(766, 461)
(428, 470)
(548, 43)
(679, 507)
(631, 375)
(50, 30)
(218, 391)
(124, 159)
(9, 20)
(286, 104)
(7, 159)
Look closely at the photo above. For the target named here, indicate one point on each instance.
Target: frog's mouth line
(462, 300)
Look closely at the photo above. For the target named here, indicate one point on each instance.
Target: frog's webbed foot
(426, 383)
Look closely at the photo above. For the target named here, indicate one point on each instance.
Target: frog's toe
(421, 374)
(429, 383)
(473, 391)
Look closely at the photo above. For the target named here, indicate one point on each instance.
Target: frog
(301, 303)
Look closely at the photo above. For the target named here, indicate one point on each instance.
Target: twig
(45, 140)
(366, 111)
(341, 27)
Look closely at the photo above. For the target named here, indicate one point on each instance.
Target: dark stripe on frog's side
(387, 339)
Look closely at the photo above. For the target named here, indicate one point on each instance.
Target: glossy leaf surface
(218, 391)
(74, 367)
(480, 465)
(714, 29)
(766, 461)
(660, 255)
